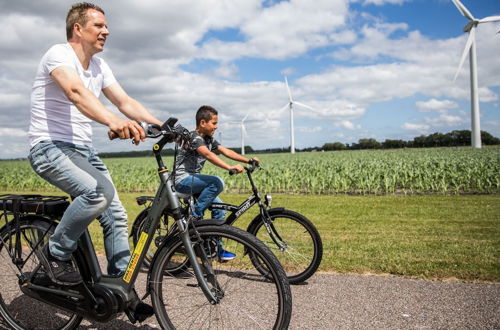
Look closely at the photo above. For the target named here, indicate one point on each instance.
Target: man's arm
(214, 159)
(88, 104)
(129, 106)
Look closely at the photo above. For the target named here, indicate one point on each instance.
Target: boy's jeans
(208, 187)
(78, 171)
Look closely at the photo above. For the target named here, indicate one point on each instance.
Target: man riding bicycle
(64, 102)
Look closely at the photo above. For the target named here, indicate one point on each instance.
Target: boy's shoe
(60, 272)
(226, 255)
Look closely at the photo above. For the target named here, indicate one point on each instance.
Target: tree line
(455, 138)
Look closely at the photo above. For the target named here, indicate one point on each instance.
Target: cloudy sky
(378, 69)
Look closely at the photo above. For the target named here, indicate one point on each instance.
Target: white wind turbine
(243, 132)
(470, 47)
(290, 105)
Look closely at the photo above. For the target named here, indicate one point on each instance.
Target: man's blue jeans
(208, 187)
(78, 171)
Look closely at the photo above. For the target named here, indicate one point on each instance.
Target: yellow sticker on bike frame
(135, 257)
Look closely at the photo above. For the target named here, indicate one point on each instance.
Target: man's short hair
(205, 112)
(78, 14)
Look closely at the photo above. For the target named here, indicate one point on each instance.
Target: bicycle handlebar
(253, 165)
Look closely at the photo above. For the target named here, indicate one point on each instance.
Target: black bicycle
(291, 236)
(207, 293)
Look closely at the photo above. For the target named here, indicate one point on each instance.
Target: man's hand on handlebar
(126, 129)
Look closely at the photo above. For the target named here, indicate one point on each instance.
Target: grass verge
(428, 237)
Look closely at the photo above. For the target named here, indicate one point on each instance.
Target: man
(64, 102)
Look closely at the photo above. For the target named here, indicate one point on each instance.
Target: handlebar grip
(232, 172)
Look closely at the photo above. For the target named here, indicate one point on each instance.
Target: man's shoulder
(59, 48)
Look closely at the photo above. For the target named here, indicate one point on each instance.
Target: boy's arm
(214, 159)
(234, 155)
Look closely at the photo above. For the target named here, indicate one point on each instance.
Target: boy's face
(208, 127)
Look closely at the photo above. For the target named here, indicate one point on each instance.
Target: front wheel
(248, 299)
(295, 241)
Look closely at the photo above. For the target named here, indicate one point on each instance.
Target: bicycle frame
(238, 211)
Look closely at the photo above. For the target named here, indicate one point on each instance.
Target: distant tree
(334, 146)
(488, 139)
(368, 144)
(393, 144)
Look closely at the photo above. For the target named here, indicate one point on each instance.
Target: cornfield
(404, 171)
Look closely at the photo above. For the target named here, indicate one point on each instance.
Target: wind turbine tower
(243, 131)
(470, 47)
(290, 105)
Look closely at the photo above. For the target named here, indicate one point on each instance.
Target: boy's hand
(254, 159)
(236, 168)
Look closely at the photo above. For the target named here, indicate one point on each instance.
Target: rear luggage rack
(53, 206)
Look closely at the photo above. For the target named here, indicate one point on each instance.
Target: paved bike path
(332, 301)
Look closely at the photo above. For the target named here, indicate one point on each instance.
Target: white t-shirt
(53, 116)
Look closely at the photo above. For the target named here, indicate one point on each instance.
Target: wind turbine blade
(285, 107)
(489, 19)
(464, 11)
(303, 105)
(245, 118)
(288, 89)
(470, 40)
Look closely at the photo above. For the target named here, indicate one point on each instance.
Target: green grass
(429, 237)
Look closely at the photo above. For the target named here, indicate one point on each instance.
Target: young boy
(189, 163)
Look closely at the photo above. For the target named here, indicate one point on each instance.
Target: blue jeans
(208, 187)
(79, 172)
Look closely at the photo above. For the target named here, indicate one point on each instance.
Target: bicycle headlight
(268, 199)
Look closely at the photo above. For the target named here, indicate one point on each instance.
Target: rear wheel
(18, 310)
(299, 247)
(248, 299)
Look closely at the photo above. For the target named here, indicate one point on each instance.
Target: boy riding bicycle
(190, 161)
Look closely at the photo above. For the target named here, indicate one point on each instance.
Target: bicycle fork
(202, 281)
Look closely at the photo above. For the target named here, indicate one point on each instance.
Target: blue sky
(378, 69)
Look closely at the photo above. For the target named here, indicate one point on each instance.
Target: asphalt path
(333, 301)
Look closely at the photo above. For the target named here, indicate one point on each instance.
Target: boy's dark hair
(78, 14)
(205, 112)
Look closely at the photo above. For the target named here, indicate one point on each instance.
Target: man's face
(94, 33)
(209, 127)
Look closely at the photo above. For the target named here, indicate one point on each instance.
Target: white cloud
(11, 132)
(421, 128)
(305, 129)
(445, 119)
(347, 124)
(436, 105)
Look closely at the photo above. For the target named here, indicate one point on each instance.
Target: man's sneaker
(226, 255)
(60, 272)
(142, 311)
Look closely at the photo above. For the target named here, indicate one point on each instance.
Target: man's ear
(77, 28)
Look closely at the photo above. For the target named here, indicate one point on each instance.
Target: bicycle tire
(250, 300)
(304, 251)
(18, 310)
